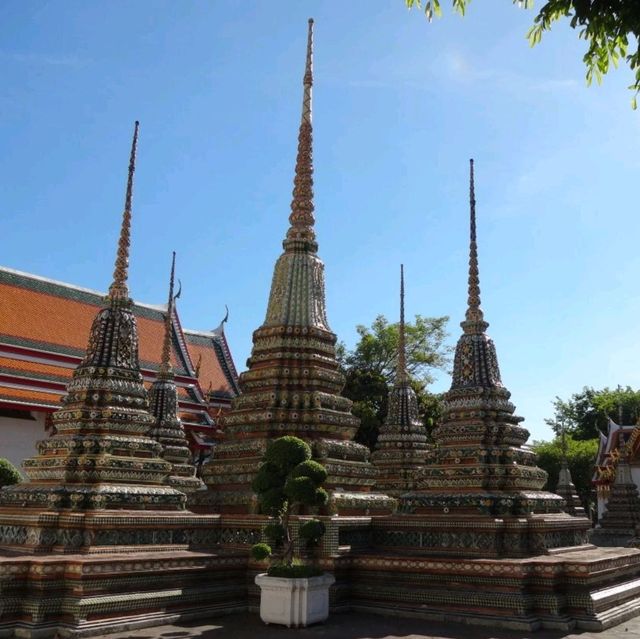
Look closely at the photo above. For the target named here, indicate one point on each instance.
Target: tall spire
(474, 318)
(118, 289)
(165, 366)
(401, 374)
(301, 235)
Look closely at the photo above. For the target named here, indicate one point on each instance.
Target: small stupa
(163, 402)
(565, 487)
(293, 382)
(401, 449)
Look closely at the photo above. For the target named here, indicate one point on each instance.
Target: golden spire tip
(118, 289)
(402, 355)
(165, 364)
(474, 314)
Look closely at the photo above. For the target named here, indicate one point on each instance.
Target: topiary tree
(287, 480)
(9, 474)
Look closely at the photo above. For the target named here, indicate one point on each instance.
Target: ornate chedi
(565, 487)
(95, 482)
(401, 449)
(567, 490)
(293, 382)
(479, 541)
(620, 523)
(480, 469)
(163, 403)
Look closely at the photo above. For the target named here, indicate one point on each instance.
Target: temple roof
(609, 450)
(44, 325)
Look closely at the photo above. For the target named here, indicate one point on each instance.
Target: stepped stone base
(477, 536)
(610, 537)
(24, 531)
(584, 588)
(77, 595)
(80, 595)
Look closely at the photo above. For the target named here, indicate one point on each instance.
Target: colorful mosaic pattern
(401, 448)
(167, 428)
(620, 523)
(101, 459)
(480, 467)
(293, 382)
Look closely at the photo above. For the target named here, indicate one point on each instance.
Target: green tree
(287, 481)
(9, 474)
(586, 413)
(606, 25)
(581, 455)
(370, 367)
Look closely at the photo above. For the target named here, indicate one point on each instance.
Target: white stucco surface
(18, 437)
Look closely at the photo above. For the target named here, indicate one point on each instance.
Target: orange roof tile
(29, 395)
(21, 366)
(44, 318)
(41, 315)
(210, 375)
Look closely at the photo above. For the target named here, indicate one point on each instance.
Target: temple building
(103, 507)
(43, 329)
(618, 436)
(619, 524)
(102, 535)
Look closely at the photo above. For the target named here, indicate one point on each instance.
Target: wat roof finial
(401, 374)
(118, 289)
(474, 317)
(301, 234)
(165, 365)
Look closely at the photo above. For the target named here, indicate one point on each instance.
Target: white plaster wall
(602, 506)
(18, 437)
(635, 475)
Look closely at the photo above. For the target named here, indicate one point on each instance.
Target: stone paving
(358, 626)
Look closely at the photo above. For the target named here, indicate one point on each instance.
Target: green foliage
(301, 490)
(607, 26)
(586, 413)
(376, 352)
(287, 452)
(370, 367)
(288, 478)
(272, 501)
(312, 530)
(9, 474)
(260, 552)
(274, 532)
(310, 468)
(295, 571)
(268, 476)
(581, 455)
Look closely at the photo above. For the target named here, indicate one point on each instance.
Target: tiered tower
(163, 401)
(97, 481)
(620, 523)
(480, 475)
(401, 449)
(566, 488)
(293, 382)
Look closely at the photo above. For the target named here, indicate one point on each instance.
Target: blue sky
(399, 107)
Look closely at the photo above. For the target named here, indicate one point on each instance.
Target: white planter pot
(294, 602)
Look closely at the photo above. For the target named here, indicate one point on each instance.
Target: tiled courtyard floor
(357, 626)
